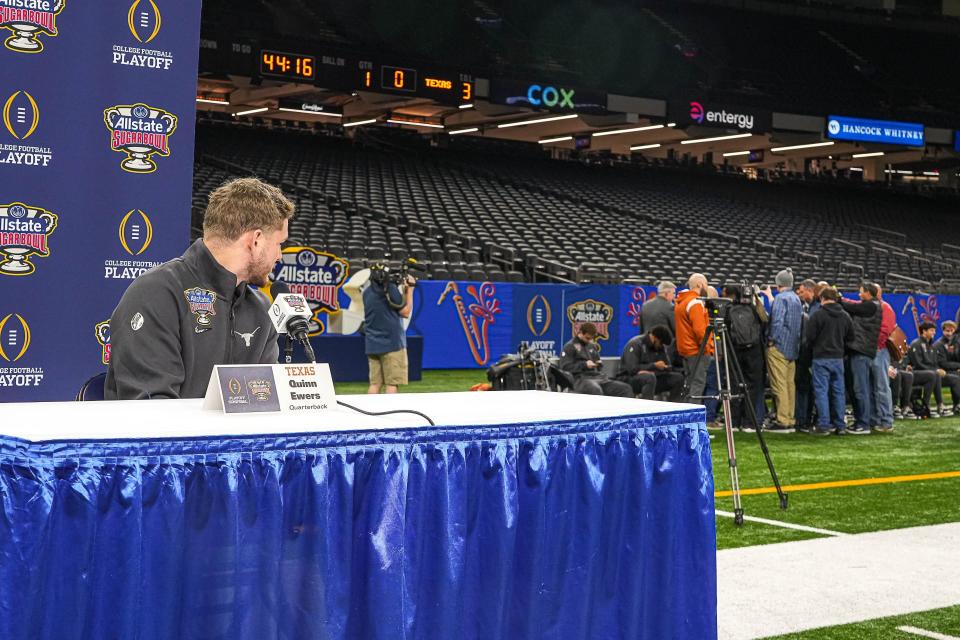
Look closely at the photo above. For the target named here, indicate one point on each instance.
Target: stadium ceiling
(615, 133)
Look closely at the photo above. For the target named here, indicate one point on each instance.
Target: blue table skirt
(596, 529)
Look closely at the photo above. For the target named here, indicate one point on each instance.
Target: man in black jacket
(829, 332)
(866, 325)
(645, 365)
(923, 360)
(177, 321)
(581, 358)
(948, 357)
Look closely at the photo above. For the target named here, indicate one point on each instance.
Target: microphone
(290, 314)
(277, 287)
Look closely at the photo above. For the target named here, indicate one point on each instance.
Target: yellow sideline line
(842, 483)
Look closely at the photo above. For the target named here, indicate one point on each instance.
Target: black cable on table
(383, 413)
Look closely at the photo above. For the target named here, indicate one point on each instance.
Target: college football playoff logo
(102, 331)
(27, 24)
(538, 315)
(24, 232)
(21, 115)
(140, 131)
(144, 20)
(14, 337)
(136, 232)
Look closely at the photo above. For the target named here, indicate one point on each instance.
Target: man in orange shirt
(690, 315)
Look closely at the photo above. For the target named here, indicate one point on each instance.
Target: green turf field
(942, 621)
(914, 447)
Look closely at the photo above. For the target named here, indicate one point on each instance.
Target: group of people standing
(813, 349)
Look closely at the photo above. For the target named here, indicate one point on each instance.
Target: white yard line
(927, 634)
(775, 589)
(785, 525)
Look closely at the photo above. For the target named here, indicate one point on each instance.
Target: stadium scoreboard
(352, 73)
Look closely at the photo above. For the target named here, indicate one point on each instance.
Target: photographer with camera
(746, 319)
(384, 308)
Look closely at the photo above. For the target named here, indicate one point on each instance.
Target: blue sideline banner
(471, 324)
(96, 156)
(881, 131)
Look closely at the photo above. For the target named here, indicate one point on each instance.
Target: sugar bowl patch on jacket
(201, 303)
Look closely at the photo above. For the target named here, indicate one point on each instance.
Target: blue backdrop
(96, 156)
(470, 325)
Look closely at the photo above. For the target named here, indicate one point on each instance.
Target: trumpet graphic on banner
(485, 307)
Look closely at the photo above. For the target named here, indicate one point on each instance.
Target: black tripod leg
(752, 413)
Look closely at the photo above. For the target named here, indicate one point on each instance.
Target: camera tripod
(717, 331)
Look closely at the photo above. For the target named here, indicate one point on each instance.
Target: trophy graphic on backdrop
(139, 131)
(24, 231)
(26, 30)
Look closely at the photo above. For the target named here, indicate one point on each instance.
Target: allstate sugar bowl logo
(315, 275)
(28, 19)
(144, 21)
(140, 131)
(201, 302)
(102, 331)
(599, 313)
(15, 338)
(24, 232)
(21, 117)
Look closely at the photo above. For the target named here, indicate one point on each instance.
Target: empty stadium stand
(467, 213)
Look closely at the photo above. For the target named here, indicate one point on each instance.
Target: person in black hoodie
(866, 325)
(948, 357)
(923, 360)
(581, 359)
(829, 332)
(645, 365)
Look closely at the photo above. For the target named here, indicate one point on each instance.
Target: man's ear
(251, 238)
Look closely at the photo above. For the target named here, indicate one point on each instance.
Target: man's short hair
(662, 333)
(829, 294)
(948, 323)
(696, 279)
(242, 205)
(926, 325)
(665, 286)
(870, 288)
(809, 284)
(588, 329)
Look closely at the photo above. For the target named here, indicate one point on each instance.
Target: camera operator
(645, 365)
(581, 358)
(746, 321)
(384, 308)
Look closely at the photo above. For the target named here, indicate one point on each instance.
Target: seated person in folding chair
(581, 359)
(948, 357)
(645, 365)
(902, 388)
(922, 359)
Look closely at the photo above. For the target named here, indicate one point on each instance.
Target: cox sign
(550, 96)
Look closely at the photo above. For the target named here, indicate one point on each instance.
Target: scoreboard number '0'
(398, 78)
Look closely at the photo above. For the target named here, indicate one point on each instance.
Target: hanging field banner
(96, 166)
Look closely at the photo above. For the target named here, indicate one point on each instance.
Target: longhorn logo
(144, 18)
(21, 117)
(14, 339)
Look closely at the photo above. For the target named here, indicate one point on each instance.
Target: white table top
(41, 421)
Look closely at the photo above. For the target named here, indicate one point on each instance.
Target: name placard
(284, 388)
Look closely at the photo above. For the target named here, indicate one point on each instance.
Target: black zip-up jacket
(575, 355)
(922, 356)
(866, 325)
(948, 353)
(639, 355)
(178, 320)
(829, 332)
